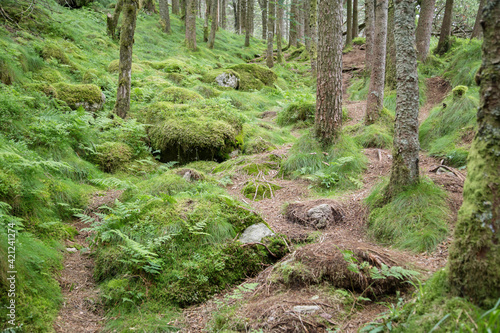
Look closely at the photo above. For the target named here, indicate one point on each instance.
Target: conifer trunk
(355, 20)
(112, 20)
(328, 121)
(214, 9)
(263, 9)
(175, 7)
(292, 37)
(369, 31)
(313, 23)
(375, 100)
(348, 39)
(300, 22)
(191, 25)
(390, 55)
(476, 31)
(184, 5)
(149, 7)
(122, 105)
(279, 30)
(206, 21)
(307, 27)
(249, 21)
(444, 36)
(165, 16)
(223, 14)
(474, 262)
(404, 171)
(424, 28)
(243, 15)
(270, 34)
(236, 16)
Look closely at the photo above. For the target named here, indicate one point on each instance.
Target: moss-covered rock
(257, 146)
(179, 95)
(111, 156)
(227, 78)
(170, 66)
(45, 88)
(90, 76)
(74, 3)
(114, 66)
(53, 51)
(177, 78)
(49, 75)
(207, 91)
(254, 77)
(295, 112)
(88, 96)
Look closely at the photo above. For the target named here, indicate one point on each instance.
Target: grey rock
(255, 233)
(227, 80)
(71, 249)
(306, 308)
(320, 215)
(92, 107)
(443, 171)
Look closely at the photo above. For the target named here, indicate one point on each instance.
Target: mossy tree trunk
(214, 9)
(369, 32)
(306, 7)
(183, 6)
(175, 7)
(390, 55)
(355, 20)
(112, 20)
(165, 16)
(280, 8)
(270, 33)
(476, 31)
(474, 261)
(263, 14)
(243, 15)
(375, 100)
(444, 36)
(313, 23)
(300, 22)
(149, 7)
(223, 14)
(191, 25)
(208, 4)
(292, 36)
(404, 171)
(328, 121)
(249, 22)
(424, 28)
(236, 16)
(122, 105)
(348, 38)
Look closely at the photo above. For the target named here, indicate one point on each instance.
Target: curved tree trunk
(444, 36)
(249, 21)
(270, 34)
(279, 30)
(370, 32)
(348, 39)
(165, 16)
(214, 9)
(263, 10)
(175, 7)
(328, 121)
(122, 105)
(424, 28)
(390, 55)
(475, 253)
(292, 37)
(476, 31)
(191, 25)
(375, 100)
(313, 23)
(112, 20)
(404, 171)
(355, 22)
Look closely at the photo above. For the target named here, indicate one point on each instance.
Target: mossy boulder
(49, 75)
(227, 78)
(170, 66)
(177, 78)
(187, 133)
(254, 77)
(297, 112)
(90, 76)
(114, 66)
(111, 156)
(179, 95)
(53, 51)
(88, 96)
(45, 88)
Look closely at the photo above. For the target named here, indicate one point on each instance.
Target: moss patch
(111, 156)
(254, 77)
(297, 112)
(52, 51)
(114, 66)
(76, 94)
(258, 190)
(179, 95)
(170, 66)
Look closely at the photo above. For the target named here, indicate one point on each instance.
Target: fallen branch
(454, 171)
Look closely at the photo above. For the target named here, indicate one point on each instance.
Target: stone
(306, 308)
(227, 80)
(255, 233)
(71, 249)
(320, 215)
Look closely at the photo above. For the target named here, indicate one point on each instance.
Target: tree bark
(292, 37)
(184, 5)
(370, 32)
(270, 34)
(474, 262)
(279, 30)
(390, 55)
(313, 23)
(165, 16)
(249, 21)
(424, 28)
(122, 105)
(263, 9)
(348, 39)
(328, 121)
(236, 16)
(214, 9)
(243, 15)
(112, 20)
(223, 14)
(307, 27)
(444, 36)
(207, 18)
(355, 22)
(404, 171)
(375, 100)
(300, 22)
(149, 7)
(175, 7)
(476, 31)
(191, 25)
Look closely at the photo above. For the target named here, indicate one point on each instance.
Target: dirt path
(81, 311)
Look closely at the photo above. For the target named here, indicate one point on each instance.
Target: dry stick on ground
(454, 171)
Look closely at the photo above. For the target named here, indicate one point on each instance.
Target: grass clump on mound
(415, 219)
(179, 95)
(464, 62)
(170, 66)
(377, 135)
(358, 90)
(112, 156)
(297, 112)
(254, 77)
(259, 190)
(76, 95)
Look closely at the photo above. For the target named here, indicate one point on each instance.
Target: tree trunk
(207, 18)
(313, 23)
(328, 121)
(149, 7)
(175, 7)
(292, 37)
(165, 16)
(375, 100)
(191, 25)
(444, 36)
(476, 31)
(474, 262)
(404, 171)
(236, 16)
(263, 9)
(112, 20)
(369, 32)
(300, 22)
(270, 34)
(249, 21)
(279, 30)
(184, 5)
(214, 9)
(348, 39)
(390, 55)
(424, 28)
(223, 14)
(243, 15)
(307, 27)
(355, 22)
(122, 105)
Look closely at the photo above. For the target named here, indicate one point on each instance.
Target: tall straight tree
(236, 16)
(280, 9)
(476, 31)
(306, 7)
(263, 11)
(390, 50)
(112, 20)
(249, 21)
(223, 14)
(149, 7)
(122, 105)
(270, 33)
(444, 36)
(313, 22)
(328, 120)
(214, 9)
(191, 25)
(292, 36)
(175, 7)
(183, 4)
(474, 262)
(424, 28)
(348, 39)
(300, 22)
(374, 102)
(355, 20)
(370, 32)
(165, 16)
(404, 171)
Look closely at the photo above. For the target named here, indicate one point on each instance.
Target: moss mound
(111, 156)
(210, 76)
(258, 190)
(179, 95)
(49, 75)
(52, 51)
(254, 77)
(170, 66)
(89, 96)
(297, 112)
(114, 66)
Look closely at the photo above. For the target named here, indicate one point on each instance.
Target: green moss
(49, 75)
(90, 76)
(257, 145)
(209, 77)
(167, 183)
(179, 95)
(114, 66)
(296, 53)
(177, 78)
(359, 41)
(76, 94)
(111, 156)
(297, 112)
(52, 51)
(207, 91)
(258, 190)
(47, 89)
(459, 91)
(254, 77)
(170, 66)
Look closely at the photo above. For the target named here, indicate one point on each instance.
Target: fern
(113, 182)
